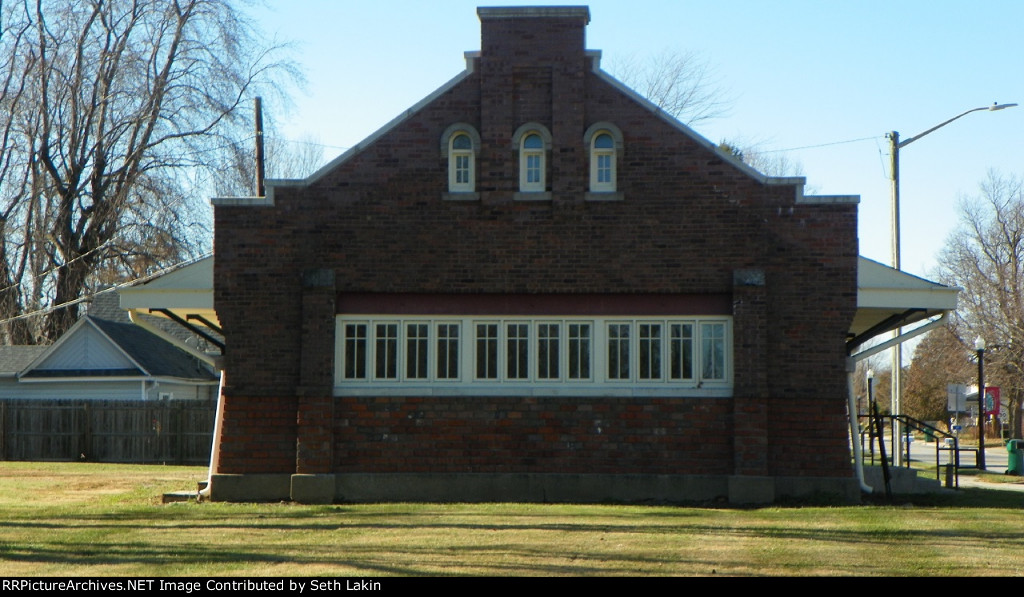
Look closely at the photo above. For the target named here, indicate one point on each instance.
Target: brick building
(534, 285)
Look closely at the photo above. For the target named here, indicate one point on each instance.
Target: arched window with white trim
(534, 143)
(602, 163)
(532, 164)
(604, 147)
(461, 165)
(460, 145)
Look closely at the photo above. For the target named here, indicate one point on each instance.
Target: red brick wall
(549, 435)
(689, 220)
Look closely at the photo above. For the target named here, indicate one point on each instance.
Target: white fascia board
(943, 299)
(197, 275)
(882, 287)
(84, 378)
(102, 378)
(173, 299)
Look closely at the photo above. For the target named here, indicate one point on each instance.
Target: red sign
(992, 400)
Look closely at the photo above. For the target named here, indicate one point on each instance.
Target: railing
(949, 443)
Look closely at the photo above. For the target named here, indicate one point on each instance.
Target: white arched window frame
(533, 141)
(604, 146)
(460, 145)
(462, 167)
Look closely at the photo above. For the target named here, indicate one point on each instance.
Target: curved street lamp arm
(993, 107)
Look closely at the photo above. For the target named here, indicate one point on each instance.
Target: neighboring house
(106, 356)
(13, 360)
(535, 285)
(108, 390)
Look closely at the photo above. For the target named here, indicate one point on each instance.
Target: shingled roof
(154, 356)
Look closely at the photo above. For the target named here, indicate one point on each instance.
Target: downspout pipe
(215, 449)
(214, 362)
(851, 406)
(851, 367)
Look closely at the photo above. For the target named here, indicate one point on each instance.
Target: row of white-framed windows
(461, 143)
(686, 352)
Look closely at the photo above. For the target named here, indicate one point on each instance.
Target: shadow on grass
(425, 539)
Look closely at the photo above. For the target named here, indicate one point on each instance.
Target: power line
(820, 145)
(81, 299)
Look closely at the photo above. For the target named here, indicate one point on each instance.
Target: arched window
(460, 144)
(531, 164)
(534, 143)
(604, 144)
(461, 165)
(602, 163)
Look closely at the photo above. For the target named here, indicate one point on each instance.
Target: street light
(979, 347)
(894, 176)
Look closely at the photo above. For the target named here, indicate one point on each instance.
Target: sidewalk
(974, 483)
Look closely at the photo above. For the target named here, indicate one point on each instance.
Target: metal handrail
(952, 468)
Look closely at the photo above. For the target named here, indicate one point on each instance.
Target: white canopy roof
(886, 298)
(185, 291)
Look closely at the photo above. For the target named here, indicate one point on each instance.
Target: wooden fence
(169, 432)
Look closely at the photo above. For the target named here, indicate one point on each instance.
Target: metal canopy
(187, 292)
(888, 299)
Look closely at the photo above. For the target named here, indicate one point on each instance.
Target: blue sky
(823, 79)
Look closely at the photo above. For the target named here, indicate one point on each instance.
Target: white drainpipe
(851, 406)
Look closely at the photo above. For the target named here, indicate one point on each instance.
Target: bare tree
(284, 159)
(683, 84)
(985, 257)
(111, 112)
(767, 162)
(940, 359)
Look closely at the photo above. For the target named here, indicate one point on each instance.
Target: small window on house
(604, 144)
(602, 164)
(533, 141)
(460, 145)
(461, 165)
(531, 164)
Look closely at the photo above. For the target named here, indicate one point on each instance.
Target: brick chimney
(533, 69)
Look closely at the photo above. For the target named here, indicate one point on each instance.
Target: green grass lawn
(89, 519)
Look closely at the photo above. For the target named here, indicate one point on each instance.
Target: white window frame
(465, 189)
(461, 161)
(708, 336)
(604, 159)
(532, 164)
(533, 158)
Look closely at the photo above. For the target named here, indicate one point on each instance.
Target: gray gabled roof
(13, 359)
(153, 356)
(157, 357)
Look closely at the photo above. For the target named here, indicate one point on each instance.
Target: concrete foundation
(524, 487)
(313, 489)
